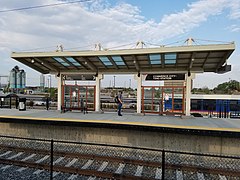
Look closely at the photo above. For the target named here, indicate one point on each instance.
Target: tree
(227, 87)
(6, 89)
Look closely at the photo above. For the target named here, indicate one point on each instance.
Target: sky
(113, 23)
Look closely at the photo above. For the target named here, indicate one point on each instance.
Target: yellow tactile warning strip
(122, 123)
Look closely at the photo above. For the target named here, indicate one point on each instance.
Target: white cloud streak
(234, 28)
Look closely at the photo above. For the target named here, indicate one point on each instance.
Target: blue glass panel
(156, 62)
(171, 56)
(73, 61)
(155, 57)
(70, 59)
(76, 64)
(105, 60)
(58, 59)
(65, 64)
(108, 63)
(118, 60)
(61, 61)
(170, 61)
(120, 63)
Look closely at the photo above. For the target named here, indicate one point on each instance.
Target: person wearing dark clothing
(160, 107)
(47, 103)
(31, 104)
(17, 103)
(210, 108)
(81, 104)
(120, 103)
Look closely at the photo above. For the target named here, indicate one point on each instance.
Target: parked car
(132, 105)
(39, 103)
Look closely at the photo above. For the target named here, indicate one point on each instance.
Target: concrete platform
(190, 123)
(201, 135)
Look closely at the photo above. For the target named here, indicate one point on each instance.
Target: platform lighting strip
(105, 60)
(118, 60)
(170, 58)
(61, 61)
(73, 61)
(155, 59)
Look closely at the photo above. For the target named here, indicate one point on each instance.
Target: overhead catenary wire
(34, 49)
(80, 47)
(207, 40)
(123, 45)
(176, 42)
(132, 45)
(162, 45)
(152, 44)
(42, 6)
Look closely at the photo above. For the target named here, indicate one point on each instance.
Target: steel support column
(59, 103)
(98, 89)
(138, 77)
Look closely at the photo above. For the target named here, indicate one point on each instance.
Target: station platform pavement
(128, 119)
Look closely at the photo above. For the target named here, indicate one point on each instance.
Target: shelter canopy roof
(204, 58)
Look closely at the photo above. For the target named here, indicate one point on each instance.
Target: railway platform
(186, 134)
(131, 119)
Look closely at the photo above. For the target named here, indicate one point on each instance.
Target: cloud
(234, 28)
(235, 9)
(101, 22)
(87, 23)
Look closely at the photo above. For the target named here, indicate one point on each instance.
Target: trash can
(22, 104)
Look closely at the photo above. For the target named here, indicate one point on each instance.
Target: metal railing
(157, 163)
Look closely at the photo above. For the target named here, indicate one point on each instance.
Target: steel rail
(190, 168)
(72, 170)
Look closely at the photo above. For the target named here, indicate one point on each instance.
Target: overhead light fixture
(32, 61)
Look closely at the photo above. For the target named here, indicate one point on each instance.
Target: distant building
(17, 79)
(42, 81)
(4, 81)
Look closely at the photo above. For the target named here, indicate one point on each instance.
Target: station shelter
(175, 66)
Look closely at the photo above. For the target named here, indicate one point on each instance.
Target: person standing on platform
(119, 97)
(47, 103)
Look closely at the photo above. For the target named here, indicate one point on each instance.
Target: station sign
(82, 77)
(164, 77)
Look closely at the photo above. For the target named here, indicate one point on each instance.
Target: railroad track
(92, 166)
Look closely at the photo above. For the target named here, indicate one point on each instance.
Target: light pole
(114, 81)
(129, 83)
(50, 81)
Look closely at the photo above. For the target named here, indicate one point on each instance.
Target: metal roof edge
(176, 49)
